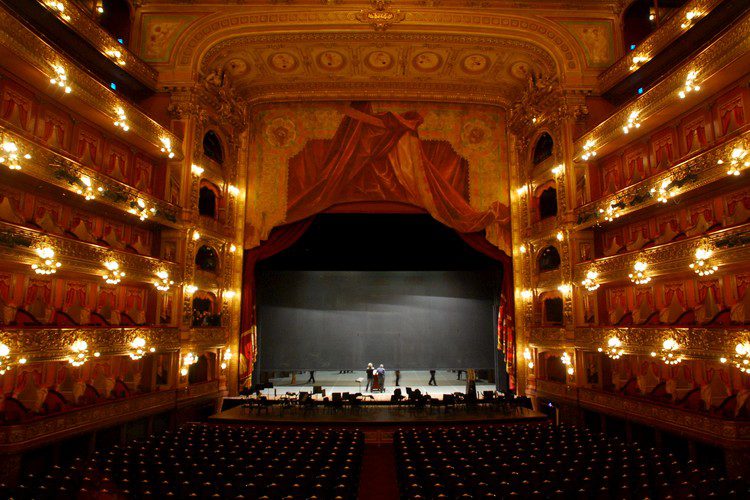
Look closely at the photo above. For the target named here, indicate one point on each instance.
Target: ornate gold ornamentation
(380, 15)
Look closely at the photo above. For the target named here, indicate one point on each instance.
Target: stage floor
(347, 382)
(374, 415)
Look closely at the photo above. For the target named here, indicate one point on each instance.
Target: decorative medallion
(379, 60)
(476, 134)
(380, 15)
(283, 61)
(520, 70)
(475, 63)
(427, 62)
(236, 67)
(280, 132)
(330, 60)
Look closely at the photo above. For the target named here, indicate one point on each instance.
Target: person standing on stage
(381, 375)
(369, 372)
(398, 376)
(432, 378)
(312, 377)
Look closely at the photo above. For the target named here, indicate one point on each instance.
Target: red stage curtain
(280, 239)
(506, 339)
(376, 157)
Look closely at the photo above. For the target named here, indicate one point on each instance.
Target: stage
(332, 381)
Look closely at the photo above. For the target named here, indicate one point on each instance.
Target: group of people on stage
(376, 378)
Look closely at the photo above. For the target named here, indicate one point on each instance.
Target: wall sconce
(663, 193)
(196, 170)
(669, 352)
(741, 357)
(637, 61)
(61, 79)
(166, 147)
(567, 362)
(47, 264)
(558, 170)
(640, 275)
(86, 188)
(196, 235)
(226, 358)
(11, 155)
(528, 357)
(229, 294)
(163, 283)
(690, 17)
(80, 353)
(116, 56)
(233, 190)
(526, 294)
(565, 288)
(633, 122)
(138, 345)
(702, 265)
(521, 191)
(191, 289)
(121, 120)
(590, 282)
(690, 85)
(114, 275)
(522, 248)
(736, 161)
(140, 209)
(99, 7)
(614, 348)
(588, 150)
(612, 212)
(560, 236)
(58, 8)
(232, 248)
(5, 361)
(189, 359)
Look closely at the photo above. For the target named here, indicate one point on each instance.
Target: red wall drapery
(280, 239)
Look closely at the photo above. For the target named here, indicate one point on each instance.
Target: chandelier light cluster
(138, 345)
(590, 282)
(588, 150)
(189, 359)
(690, 17)
(614, 348)
(690, 85)
(640, 275)
(741, 357)
(568, 362)
(166, 147)
(702, 264)
(80, 353)
(669, 352)
(737, 161)
(637, 61)
(663, 193)
(87, 188)
(633, 122)
(61, 79)
(5, 360)
(58, 8)
(47, 263)
(11, 155)
(122, 119)
(163, 283)
(114, 275)
(140, 209)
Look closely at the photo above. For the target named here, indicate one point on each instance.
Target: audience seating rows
(212, 461)
(541, 461)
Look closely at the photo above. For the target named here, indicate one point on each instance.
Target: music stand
(359, 381)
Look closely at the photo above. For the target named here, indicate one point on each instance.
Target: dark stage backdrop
(412, 320)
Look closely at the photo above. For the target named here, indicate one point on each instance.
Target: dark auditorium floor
(378, 479)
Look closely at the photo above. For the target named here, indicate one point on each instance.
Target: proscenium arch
(193, 45)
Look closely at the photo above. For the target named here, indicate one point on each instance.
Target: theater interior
(532, 218)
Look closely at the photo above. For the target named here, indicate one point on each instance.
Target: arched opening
(116, 19)
(549, 259)
(205, 309)
(207, 259)
(208, 200)
(543, 148)
(212, 147)
(548, 203)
